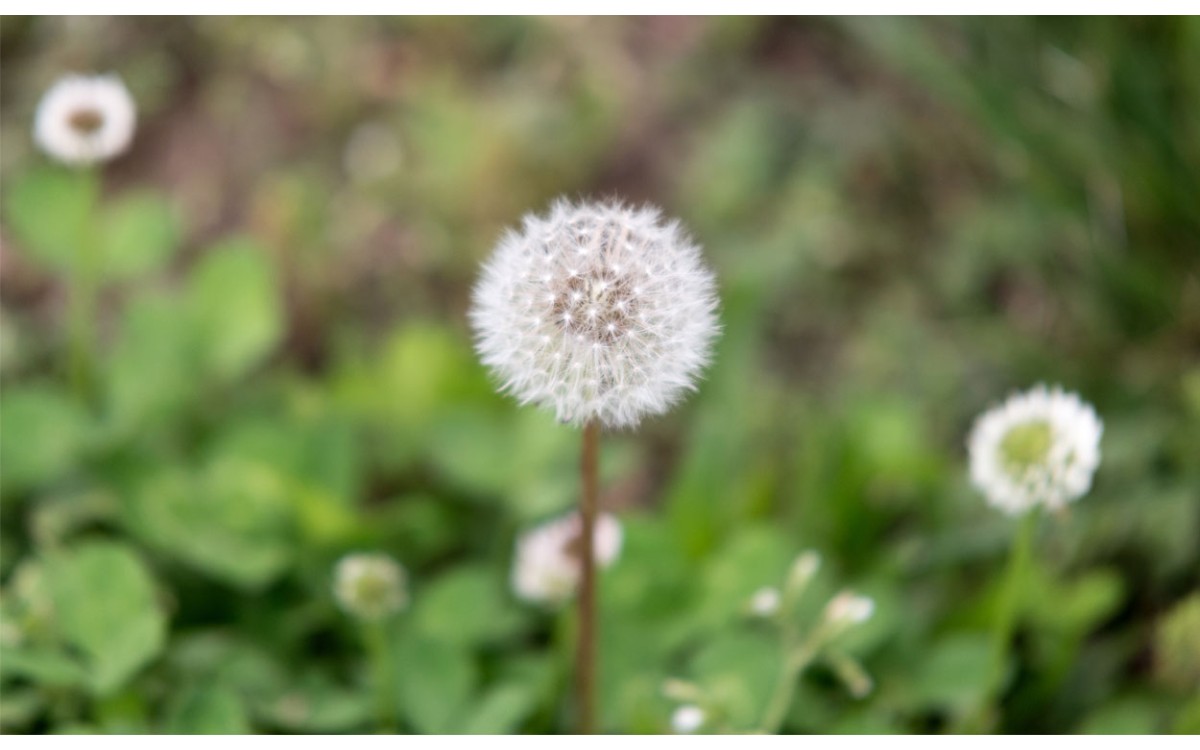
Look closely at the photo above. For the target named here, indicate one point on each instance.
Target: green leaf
(955, 673)
(743, 669)
(137, 236)
(465, 607)
(42, 665)
(43, 434)
(105, 606)
(208, 710)
(234, 301)
(501, 710)
(232, 520)
(436, 681)
(49, 211)
(150, 373)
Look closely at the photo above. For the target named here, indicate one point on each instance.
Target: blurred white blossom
(687, 719)
(598, 311)
(848, 608)
(370, 585)
(765, 601)
(546, 569)
(1040, 447)
(82, 120)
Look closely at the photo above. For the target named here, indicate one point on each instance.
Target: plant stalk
(585, 656)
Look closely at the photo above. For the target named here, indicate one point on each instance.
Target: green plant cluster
(908, 219)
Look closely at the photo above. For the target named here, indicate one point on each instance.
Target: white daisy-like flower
(370, 585)
(598, 311)
(1040, 447)
(765, 601)
(546, 568)
(848, 608)
(687, 719)
(85, 119)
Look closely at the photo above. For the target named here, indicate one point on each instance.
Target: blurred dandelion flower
(765, 601)
(546, 568)
(1040, 447)
(687, 719)
(848, 608)
(370, 585)
(82, 120)
(598, 311)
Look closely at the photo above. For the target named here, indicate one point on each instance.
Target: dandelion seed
(591, 304)
(1040, 447)
(546, 567)
(82, 120)
(370, 585)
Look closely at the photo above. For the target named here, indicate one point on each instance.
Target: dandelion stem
(585, 657)
(1019, 559)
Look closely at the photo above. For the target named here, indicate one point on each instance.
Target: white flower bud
(765, 601)
(370, 586)
(687, 719)
(848, 608)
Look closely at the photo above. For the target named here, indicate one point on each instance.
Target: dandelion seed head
(1040, 447)
(370, 585)
(625, 313)
(82, 120)
(546, 566)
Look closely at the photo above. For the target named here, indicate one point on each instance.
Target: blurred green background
(909, 219)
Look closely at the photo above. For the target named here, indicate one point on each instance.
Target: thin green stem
(796, 660)
(1019, 559)
(383, 671)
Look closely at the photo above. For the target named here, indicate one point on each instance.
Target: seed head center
(1026, 446)
(85, 121)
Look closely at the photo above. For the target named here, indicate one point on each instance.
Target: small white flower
(370, 585)
(687, 719)
(765, 601)
(597, 311)
(848, 608)
(85, 119)
(1040, 447)
(546, 568)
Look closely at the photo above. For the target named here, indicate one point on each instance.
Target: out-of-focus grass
(909, 218)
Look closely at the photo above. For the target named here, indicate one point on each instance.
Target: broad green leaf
(234, 300)
(150, 372)
(106, 606)
(501, 710)
(49, 212)
(742, 668)
(138, 233)
(47, 667)
(436, 680)
(466, 606)
(232, 520)
(954, 674)
(43, 434)
(316, 705)
(208, 710)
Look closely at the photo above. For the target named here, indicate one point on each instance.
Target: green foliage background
(909, 220)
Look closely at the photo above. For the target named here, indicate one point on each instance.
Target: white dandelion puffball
(82, 120)
(687, 719)
(1040, 447)
(370, 585)
(598, 311)
(546, 569)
